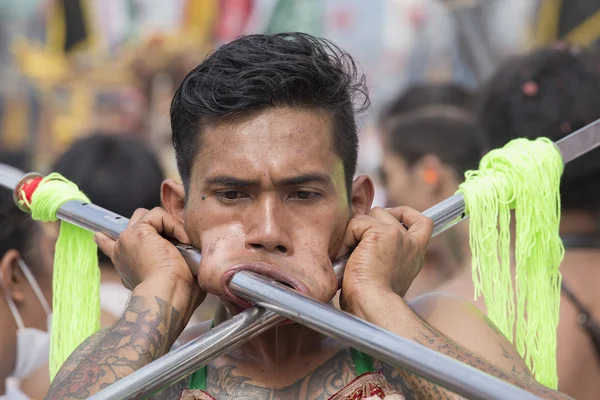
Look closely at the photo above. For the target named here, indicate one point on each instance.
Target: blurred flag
(200, 17)
(69, 25)
(299, 16)
(233, 18)
(575, 21)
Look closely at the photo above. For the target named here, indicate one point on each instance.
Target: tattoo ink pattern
(322, 383)
(145, 332)
(518, 376)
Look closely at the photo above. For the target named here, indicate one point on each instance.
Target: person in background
(26, 259)
(16, 159)
(426, 152)
(553, 92)
(121, 175)
(429, 94)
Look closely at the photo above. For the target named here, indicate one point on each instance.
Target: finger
(355, 231)
(385, 216)
(137, 215)
(106, 244)
(166, 224)
(418, 225)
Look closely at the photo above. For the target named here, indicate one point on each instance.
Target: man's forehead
(282, 141)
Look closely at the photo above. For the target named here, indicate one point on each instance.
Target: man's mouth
(263, 269)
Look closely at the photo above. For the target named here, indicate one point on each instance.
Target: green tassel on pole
(76, 277)
(523, 176)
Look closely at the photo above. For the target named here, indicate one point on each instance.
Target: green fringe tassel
(524, 176)
(76, 278)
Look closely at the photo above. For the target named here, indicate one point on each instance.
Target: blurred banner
(69, 67)
(574, 21)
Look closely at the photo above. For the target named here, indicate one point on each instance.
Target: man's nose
(267, 230)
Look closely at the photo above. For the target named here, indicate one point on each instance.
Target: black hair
(18, 232)
(115, 172)
(450, 133)
(256, 72)
(428, 94)
(550, 92)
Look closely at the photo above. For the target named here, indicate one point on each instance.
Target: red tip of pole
(24, 190)
(29, 187)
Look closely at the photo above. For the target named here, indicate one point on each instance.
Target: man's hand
(389, 247)
(141, 254)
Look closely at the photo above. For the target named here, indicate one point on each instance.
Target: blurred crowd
(99, 116)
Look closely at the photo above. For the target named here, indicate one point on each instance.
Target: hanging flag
(200, 17)
(233, 18)
(575, 21)
(299, 16)
(69, 25)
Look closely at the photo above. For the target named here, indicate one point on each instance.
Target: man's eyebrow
(231, 181)
(306, 178)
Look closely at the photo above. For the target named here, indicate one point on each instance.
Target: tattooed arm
(456, 328)
(146, 330)
(165, 294)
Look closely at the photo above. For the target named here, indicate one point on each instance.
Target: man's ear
(363, 192)
(12, 279)
(172, 195)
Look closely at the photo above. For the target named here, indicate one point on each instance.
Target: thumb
(106, 244)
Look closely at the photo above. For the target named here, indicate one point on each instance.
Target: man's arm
(456, 328)
(165, 294)
(146, 330)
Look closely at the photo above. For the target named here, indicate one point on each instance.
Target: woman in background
(428, 145)
(26, 259)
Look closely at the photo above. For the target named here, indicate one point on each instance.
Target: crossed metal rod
(275, 303)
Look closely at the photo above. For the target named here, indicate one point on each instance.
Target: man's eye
(232, 195)
(304, 195)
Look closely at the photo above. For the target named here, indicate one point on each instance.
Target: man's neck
(286, 344)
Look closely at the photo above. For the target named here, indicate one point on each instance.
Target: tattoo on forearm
(518, 375)
(145, 332)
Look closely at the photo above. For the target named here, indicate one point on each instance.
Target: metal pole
(444, 216)
(200, 352)
(188, 358)
(460, 378)
(97, 219)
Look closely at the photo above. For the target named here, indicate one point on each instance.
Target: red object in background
(343, 18)
(233, 17)
(417, 16)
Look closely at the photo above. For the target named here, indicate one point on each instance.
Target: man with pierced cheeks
(265, 136)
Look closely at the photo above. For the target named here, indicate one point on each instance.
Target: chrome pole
(199, 352)
(386, 346)
(187, 359)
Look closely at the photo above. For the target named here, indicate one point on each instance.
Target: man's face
(267, 193)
